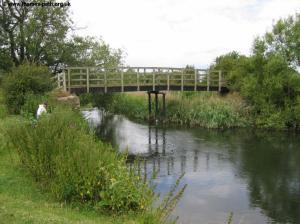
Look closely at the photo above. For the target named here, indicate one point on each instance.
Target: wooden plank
(58, 79)
(182, 81)
(137, 80)
(79, 80)
(86, 77)
(153, 81)
(69, 80)
(208, 80)
(220, 80)
(105, 82)
(64, 81)
(122, 80)
(87, 80)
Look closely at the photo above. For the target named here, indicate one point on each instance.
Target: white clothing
(41, 110)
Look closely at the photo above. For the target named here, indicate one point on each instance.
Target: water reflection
(256, 175)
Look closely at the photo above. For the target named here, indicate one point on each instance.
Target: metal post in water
(164, 104)
(156, 104)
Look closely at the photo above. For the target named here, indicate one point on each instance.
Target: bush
(66, 159)
(23, 80)
(31, 104)
(3, 111)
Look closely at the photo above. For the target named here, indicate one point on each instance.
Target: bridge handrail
(88, 77)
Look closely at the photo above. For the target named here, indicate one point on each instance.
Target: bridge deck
(128, 79)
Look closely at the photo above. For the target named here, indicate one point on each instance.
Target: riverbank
(48, 176)
(192, 109)
(22, 201)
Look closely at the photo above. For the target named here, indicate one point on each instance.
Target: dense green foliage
(60, 153)
(22, 200)
(24, 80)
(268, 78)
(33, 34)
(42, 35)
(31, 104)
(3, 109)
(63, 156)
(91, 51)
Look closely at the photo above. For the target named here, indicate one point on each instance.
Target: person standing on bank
(42, 109)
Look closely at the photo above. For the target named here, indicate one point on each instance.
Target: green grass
(23, 200)
(29, 150)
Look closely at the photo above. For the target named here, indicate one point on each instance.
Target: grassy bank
(54, 170)
(209, 110)
(22, 201)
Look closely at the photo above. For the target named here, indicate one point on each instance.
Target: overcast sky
(178, 32)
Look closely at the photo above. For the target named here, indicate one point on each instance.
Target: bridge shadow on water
(254, 174)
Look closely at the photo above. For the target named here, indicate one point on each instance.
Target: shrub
(66, 159)
(31, 104)
(23, 80)
(3, 111)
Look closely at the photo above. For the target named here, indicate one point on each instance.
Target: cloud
(176, 32)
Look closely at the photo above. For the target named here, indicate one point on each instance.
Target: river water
(254, 174)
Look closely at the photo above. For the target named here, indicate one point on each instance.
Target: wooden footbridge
(154, 80)
(128, 79)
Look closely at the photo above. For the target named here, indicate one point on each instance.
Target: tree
(38, 35)
(23, 80)
(285, 39)
(90, 51)
(267, 78)
(234, 66)
(34, 34)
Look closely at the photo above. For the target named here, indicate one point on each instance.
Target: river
(254, 174)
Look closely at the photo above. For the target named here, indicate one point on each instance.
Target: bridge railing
(122, 79)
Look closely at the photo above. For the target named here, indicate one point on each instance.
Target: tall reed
(209, 110)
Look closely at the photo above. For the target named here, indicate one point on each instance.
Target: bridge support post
(156, 101)
(208, 80)
(156, 104)
(195, 79)
(69, 80)
(122, 80)
(87, 80)
(149, 103)
(65, 82)
(220, 81)
(182, 80)
(164, 104)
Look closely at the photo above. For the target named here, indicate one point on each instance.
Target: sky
(174, 33)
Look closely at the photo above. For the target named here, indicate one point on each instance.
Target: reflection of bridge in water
(254, 174)
(168, 162)
(159, 150)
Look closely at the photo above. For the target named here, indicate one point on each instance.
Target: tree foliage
(23, 80)
(42, 35)
(33, 34)
(90, 51)
(268, 78)
(285, 39)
